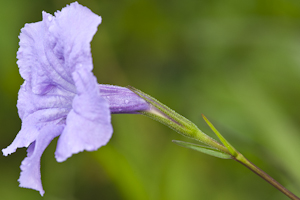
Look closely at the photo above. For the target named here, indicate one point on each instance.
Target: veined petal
(36, 112)
(30, 168)
(60, 95)
(30, 131)
(52, 49)
(88, 124)
(55, 99)
(74, 29)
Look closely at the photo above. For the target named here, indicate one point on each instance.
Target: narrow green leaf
(203, 149)
(223, 140)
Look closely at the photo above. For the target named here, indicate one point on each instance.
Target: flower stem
(241, 159)
(175, 121)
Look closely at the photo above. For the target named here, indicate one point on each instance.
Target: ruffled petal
(60, 95)
(30, 131)
(88, 125)
(48, 107)
(50, 51)
(36, 112)
(74, 29)
(30, 168)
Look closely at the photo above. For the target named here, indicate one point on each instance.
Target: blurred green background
(238, 62)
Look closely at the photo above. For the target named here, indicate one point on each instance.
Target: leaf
(223, 140)
(204, 149)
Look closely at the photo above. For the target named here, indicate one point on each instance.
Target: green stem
(202, 137)
(175, 121)
(170, 118)
(241, 159)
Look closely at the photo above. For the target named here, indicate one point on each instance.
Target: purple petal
(30, 168)
(88, 124)
(36, 112)
(52, 49)
(52, 55)
(75, 27)
(60, 95)
(123, 100)
(30, 131)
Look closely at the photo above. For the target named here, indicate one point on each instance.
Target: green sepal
(230, 148)
(175, 121)
(204, 149)
(167, 116)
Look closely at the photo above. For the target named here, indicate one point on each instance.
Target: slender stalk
(175, 121)
(241, 159)
(202, 137)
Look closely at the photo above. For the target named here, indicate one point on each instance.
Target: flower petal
(51, 49)
(30, 168)
(74, 29)
(60, 93)
(88, 124)
(30, 131)
(36, 112)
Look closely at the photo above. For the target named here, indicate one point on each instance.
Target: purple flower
(60, 95)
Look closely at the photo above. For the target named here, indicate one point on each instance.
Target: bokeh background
(238, 62)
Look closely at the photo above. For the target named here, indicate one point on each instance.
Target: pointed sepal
(204, 149)
(230, 148)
